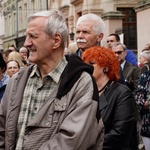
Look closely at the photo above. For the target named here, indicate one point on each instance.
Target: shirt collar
(122, 65)
(55, 74)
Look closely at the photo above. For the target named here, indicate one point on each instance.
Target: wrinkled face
(39, 43)
(86, 36)
(12, 68)
(110, 41)
(23, 53)
(120, 53)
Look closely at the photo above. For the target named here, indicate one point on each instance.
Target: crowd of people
(11, 62)
(87, 98)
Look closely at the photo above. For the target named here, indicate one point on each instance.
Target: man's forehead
(36, 24)
(112, 38)
(86, 24)
(118, 47)
(34, 30)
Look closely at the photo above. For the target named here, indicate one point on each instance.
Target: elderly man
(89, 32)
(131, 73)
(130, 57)
(24, 53)
(49, 105)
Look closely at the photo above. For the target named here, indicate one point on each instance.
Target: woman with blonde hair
(16, 56)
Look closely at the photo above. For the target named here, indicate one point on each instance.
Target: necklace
(108, 83)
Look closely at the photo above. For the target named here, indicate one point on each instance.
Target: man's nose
(27, 42)
(80, 34)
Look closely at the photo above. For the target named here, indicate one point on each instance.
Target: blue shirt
(131, 57)
(3, 84)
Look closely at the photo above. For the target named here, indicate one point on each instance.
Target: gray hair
(118, 43)
(55, 23)
(98, 25)
(146, 55)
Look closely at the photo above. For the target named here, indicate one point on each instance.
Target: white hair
(55, 24)
(146, 55)
(98, 23)
(118, 43)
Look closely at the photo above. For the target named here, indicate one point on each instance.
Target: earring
(104, 70)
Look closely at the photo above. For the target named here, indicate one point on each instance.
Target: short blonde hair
(15, 56)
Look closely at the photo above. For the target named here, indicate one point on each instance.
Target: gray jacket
(68, 123)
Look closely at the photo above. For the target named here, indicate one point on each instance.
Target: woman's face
(12, 68)
(98, 70)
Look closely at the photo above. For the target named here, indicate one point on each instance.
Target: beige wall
(109, 28)
(143, 30)
(1, 25)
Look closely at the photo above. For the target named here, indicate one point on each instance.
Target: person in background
(24, 53)
(72, 48)
(6, 54)
(16, 56)
(144, 60)
(131, 72)
(3, 77)
(89, 32)
(12, 67)
(147, 47)
(143, 102)
(12, 47)
(130, 57)
(49, 104)
(116, 101)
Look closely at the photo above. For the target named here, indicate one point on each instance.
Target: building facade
(128, 18)
(15, 16)
(1, 25)
(143, 23)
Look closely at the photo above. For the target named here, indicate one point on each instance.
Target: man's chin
(31, 60)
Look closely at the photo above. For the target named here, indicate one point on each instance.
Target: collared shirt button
(47, 123)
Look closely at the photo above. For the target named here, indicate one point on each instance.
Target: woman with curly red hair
(116, 101)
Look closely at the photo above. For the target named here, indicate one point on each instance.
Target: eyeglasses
(119, 52)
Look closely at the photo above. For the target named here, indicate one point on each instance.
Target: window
(129, 27)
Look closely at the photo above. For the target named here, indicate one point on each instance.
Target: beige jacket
(65, 124)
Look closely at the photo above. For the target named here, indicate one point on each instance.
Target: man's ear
(57, 38)
(100, 37)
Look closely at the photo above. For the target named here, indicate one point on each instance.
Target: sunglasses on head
(119, 52)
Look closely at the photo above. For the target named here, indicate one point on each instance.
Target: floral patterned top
(142, 95)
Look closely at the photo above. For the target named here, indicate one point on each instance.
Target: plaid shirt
(35, 93)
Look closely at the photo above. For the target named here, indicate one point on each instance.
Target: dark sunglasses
(119, 52)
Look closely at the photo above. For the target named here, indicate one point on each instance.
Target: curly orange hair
(104, 57)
